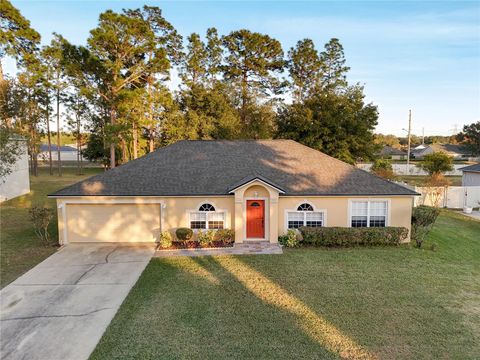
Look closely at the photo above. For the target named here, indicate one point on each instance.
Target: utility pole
(423, 136)
(409, 132)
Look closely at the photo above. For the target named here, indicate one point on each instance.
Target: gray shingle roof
(54, 147)
(388, 150)
(189, 168)
(471, 168)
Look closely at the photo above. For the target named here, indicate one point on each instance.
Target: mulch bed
(196, 245)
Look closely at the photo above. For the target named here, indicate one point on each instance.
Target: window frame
(197, 211)
(369, 201)
(304, 213)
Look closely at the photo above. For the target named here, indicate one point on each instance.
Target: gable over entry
(256, 210)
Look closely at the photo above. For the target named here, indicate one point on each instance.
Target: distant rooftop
(44, 148)
(471, 168)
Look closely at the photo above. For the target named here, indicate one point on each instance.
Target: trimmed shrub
(184, 234)
(346, 237)
(206, 237)
(423, 218)
(227, 236)
(165, 239)
(289, 239)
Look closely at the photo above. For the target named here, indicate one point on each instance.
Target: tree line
(115, 96)
(469, 136)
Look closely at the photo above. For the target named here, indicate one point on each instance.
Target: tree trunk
(79, 165)
(112, 144)
(150, 141)
(243, 114)
(58, 133)
(33, 151)
(35, 163)
(150, 113)
(135, 140)
(124, 150)
(49, 136)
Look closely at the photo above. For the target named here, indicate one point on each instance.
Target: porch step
(250, 248)
(258, 246)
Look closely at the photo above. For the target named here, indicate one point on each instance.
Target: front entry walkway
(247, 248)
(60, 308)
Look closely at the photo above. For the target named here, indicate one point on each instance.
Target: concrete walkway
(60, 308)
(474, 215)
(247, 248)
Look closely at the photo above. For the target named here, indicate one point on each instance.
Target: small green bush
(206, 237)
(40, 217)
(289, 239)
(184, 234)
(346, 237)
(227, 236)
(165, 239)
(423, 219)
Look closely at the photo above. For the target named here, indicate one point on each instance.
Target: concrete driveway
(60, 308)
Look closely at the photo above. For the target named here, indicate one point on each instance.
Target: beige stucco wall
(141, 219)
(337, 209)
(133, 220)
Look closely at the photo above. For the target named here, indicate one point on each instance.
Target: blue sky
(419, 55)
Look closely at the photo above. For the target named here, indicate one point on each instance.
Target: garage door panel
(113, 222)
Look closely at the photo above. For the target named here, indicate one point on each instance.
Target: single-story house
(259, 188)
(67, 153)
(471, 175)
(16, 183)
(457, 152)
(389, 152)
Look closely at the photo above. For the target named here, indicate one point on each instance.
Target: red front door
(256, 219)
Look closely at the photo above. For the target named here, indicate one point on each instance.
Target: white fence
(455, 197)
(401, 169)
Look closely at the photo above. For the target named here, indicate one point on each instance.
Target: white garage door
(112, 222)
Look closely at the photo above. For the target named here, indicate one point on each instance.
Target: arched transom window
(305, 215)
(305, 207)
(206, 207)
(207, 217)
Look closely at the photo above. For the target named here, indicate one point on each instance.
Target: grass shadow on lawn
(196, 308)
(399, 302)
(308, 303)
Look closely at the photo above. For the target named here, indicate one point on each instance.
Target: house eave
(231, 194)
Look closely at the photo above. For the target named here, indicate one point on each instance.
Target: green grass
(389, 302)
(20, 249)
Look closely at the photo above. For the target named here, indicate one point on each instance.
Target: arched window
(255, 204)
(304, 216)
(207, 217)
(206, 207)
(305, 207)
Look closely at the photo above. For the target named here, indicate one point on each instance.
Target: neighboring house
(67, 153)
(258, 188)
(471, 175)
(18, 181)
(457, 152)
(389, 152)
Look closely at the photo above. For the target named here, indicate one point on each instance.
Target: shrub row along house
(258, 188)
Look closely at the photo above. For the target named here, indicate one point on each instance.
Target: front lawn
(20, 249)
(389, 303)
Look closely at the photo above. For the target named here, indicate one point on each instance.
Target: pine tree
(333, 66)
(253, 64)
(304, 68)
